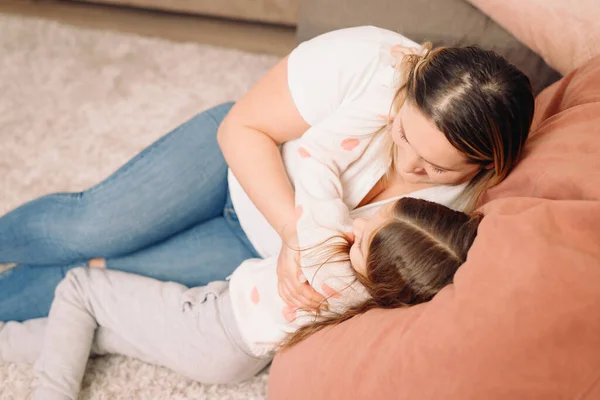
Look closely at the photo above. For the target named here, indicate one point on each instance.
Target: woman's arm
(250, 135)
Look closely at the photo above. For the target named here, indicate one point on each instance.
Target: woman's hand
(292, 285)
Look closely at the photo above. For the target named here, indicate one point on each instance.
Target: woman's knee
(219, 112)
(209, 120)
(93, 229)
(72, 224)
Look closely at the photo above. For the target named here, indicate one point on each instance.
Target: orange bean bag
(522, 320)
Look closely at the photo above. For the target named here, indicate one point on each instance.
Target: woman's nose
(411, 162)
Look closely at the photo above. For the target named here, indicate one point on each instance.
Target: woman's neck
(391, 185)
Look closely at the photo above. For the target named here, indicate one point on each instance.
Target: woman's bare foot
(97, 263)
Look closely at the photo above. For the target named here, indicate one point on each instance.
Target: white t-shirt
(341, 82)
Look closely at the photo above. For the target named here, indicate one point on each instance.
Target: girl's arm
(250, 135)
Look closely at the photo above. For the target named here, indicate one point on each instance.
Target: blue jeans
(165, 214)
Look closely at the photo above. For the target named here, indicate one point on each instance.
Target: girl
(459, 120)
(224, 332)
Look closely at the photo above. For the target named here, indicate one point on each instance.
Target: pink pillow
(522, 320)
(565, 33)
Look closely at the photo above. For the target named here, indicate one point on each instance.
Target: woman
(168, 213)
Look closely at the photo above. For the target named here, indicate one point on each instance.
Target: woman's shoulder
(332, 68)
(360, 42)
(356, 33)
(366, 34)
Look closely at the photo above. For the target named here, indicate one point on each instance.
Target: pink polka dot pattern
(254, 296)
(303, 152)
(330, 292)
(350, 144)
(289, 313)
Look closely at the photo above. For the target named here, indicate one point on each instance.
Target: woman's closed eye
(433, 167)
(437, 170)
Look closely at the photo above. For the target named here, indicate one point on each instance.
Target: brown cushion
(443, 22)
(522, 320)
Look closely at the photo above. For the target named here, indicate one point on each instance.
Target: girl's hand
(292, 285)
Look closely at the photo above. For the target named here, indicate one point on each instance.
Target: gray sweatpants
(191, 331)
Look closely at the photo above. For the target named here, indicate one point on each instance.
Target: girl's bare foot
(4, 267)
(97, 263)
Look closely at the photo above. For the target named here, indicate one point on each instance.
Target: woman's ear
(489, 166)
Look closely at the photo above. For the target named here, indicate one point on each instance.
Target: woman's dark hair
(482, 103)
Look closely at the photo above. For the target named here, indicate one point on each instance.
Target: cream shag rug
(75, 104)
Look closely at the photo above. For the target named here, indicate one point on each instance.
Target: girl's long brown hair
(411, 258)
(482, 103)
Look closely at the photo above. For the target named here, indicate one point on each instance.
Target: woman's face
(363, 230)
(424, 153)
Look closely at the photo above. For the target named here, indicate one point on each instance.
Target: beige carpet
(74, 105)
